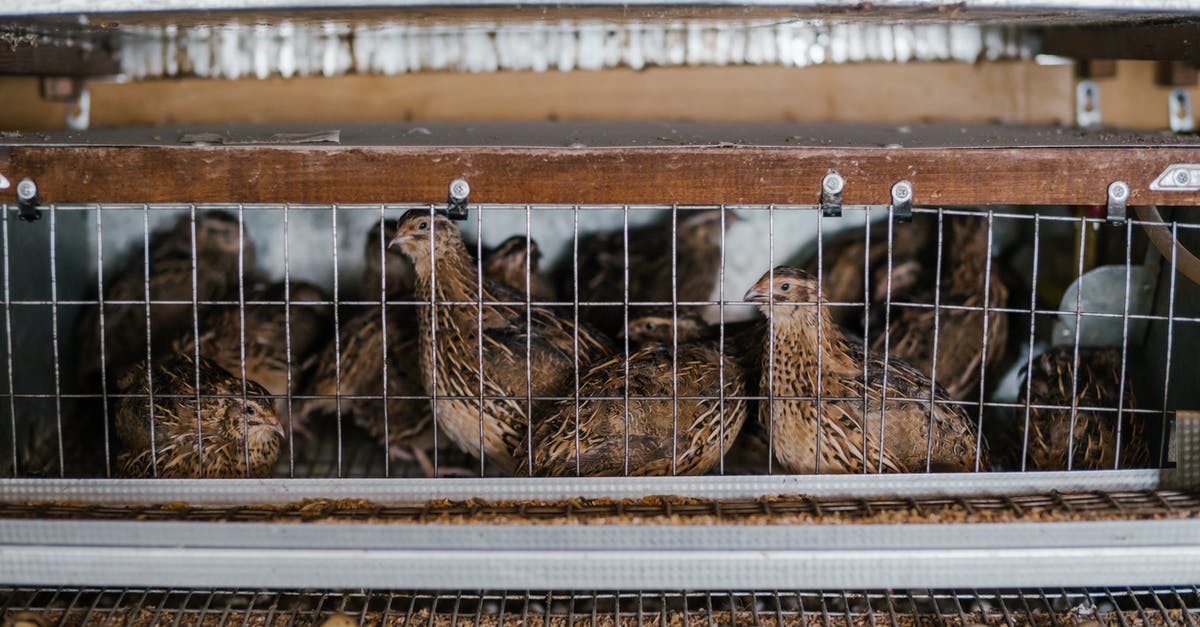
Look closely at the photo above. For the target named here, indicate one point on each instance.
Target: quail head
(475, 357)
(168, 428)
(827, 412)
(513, 260)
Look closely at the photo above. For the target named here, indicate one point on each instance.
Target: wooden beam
(633, 175)
(1178, 41)
(57, 60)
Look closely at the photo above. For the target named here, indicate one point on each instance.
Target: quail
(1093, 443)
(960, 335)
(236, 437)
(749, 454)
(602, 257)
(823, 427)
(266, 336)
(668, 426)
(506, 264)
(485, 410)
(170, 279)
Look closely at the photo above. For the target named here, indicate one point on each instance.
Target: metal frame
(273, 556)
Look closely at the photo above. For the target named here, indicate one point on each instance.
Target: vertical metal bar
(721, 350)
(149, 337)
(772, 323)
(54, 337)
(242, 329)
(337, 339)
(866, 338)
(887, 339)
(287, 330)
(1032, 331)
(1170, 338)
(433, 353)
(479, 345)
(983, 357)
(12, 393)
(1075, 344)
(575, 320)
(820, 333)
(1124, 346)
(674, 341)
(383, 344)
(937, 302)
(624, 325)
(103, 340)
(196, 342)
(528, 347)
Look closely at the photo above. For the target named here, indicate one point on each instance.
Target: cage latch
(902, 197)
(456, 208)
(1118, 197)
(831, 194)
(27, 200)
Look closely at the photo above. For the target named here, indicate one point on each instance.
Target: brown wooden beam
(1160, 42)
(57, 60)
(663, 174)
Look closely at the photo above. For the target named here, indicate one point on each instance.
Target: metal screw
(833, 183)
(1118, 190)
(1182, 177)
(902, 190)
(27, 190)
(459, 190)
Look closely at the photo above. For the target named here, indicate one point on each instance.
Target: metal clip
(27, 200)
(831, 194)
(1179, 108)
(1118, 197)
(1087, 104)
(902, 199)
(460, 190)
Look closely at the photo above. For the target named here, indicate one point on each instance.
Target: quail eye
(250, 410)
(423, 225)
(785, 287)
(649, 326)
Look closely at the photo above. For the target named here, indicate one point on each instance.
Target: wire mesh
(1019, 268)
(1128, 606)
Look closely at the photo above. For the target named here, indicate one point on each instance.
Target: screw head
(902, 191)
(1182, 177)
(1118, 190)
(26, 190)
(833, 183)
(459, 190)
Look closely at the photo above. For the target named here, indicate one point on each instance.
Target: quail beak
(401, 237)
(757, 294)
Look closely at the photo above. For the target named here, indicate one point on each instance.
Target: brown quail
(1093, 443)
(506, 264)
(451, 342)
(237, 438)
(833, 435)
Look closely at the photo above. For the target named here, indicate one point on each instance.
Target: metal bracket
(831, 194)
(902, 200)
(456, 208)
(1087, 104)
(1179, 110)
(27, 200)
(1118, 198)
(1178, 177)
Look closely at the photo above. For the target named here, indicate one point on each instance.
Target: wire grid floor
(1031, 507)
(1174, 605)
